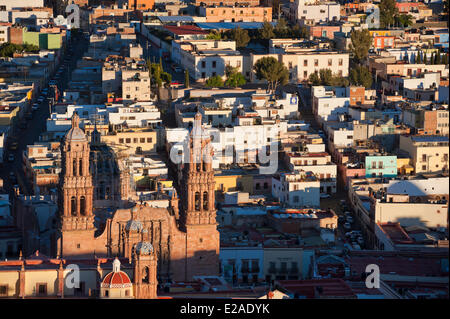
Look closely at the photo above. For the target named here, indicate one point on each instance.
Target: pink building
(325, 31)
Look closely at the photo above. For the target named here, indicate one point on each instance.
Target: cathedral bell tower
(198, 218)
(76, 191)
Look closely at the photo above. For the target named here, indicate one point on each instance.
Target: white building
(313, 11)
(328, 103)
(206, 58)
(18, 4)
(297, 190)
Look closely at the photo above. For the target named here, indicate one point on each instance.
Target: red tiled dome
(116, 280)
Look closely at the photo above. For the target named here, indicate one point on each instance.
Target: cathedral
(184, 236)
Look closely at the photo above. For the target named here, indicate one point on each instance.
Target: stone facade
(186, 243)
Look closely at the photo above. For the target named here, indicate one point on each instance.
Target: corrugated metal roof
(176, 19)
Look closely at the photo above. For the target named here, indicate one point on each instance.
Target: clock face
(60, 20)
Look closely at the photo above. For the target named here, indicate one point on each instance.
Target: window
(41, 289)
(295, 199)
(305, 62)
(316, 62)
(424, 167)
(424, 158)
(214, 63)
(149, 140)
(330, 62)
(380, 164)
(4, 291)
(203, 64)
(120, 140)
(127, 293)
(341, 62)
(135, 140)
(142, 140)
(305, 74)
(128, 140)
(106, 294)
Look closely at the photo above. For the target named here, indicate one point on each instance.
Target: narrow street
(35, 127)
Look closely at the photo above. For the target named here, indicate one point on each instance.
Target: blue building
(381, 165)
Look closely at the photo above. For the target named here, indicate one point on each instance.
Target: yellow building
(133, 141)
(230, 182)
(7, 114)
(428, 153)
(404, 167)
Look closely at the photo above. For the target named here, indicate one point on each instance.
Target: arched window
(80, 169)
(83, 205)
(145, 275)
(205, 200)
(197, 201)
(73, 205)
(74, 167)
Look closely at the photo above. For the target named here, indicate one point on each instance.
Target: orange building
(141, 4)
(226, 2)
(236, 14)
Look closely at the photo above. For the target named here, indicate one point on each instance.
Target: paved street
(34, 128)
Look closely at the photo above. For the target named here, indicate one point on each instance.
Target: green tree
(273, 71)
(234, 77)
(298, 32)
(240, 36)
(445, 59)
(214, 81)
(361, 76)
(360, 45)
(266, 32)
(214, 35)
(404, 20)
(8, 49)
(314, 78)
(388, 11)
(281, 29)
(166, 78)
(276, 7)
(417, 58)
(186, 78)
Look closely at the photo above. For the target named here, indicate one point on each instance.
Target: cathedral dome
(76, 133)
(116, 278)
(134, 225)
(144, 248)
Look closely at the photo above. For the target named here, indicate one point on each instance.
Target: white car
(347, 226)
(325, 195)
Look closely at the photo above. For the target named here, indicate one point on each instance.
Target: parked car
(13, 146)
(12, 177)
(360, 240)
(347, 226)
(325, 195)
